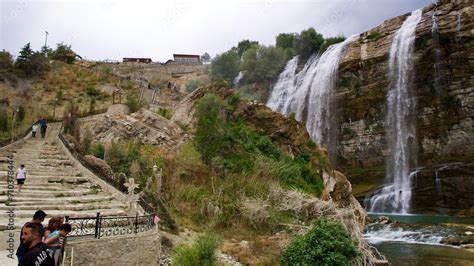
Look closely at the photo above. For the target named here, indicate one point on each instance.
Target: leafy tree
(30, 62)
(287, 42)
(244, 45)
(48, 52)
(210, 127)
(262, 63)
(330, 41)
(6, 60)
(64, 53)
(327, 243)
(309, 42)
(225, 66)
(205, 58)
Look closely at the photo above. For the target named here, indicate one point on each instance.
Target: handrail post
(136, 223)
(97, 227)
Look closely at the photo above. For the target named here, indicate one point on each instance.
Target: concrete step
(71, 213)
(55, 194)
(101, 197)
(67, 207)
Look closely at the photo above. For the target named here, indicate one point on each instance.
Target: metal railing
(105, 226)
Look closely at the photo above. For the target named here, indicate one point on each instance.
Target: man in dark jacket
(38, 218)
(38, 253)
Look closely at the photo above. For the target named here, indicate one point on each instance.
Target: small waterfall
(436, 52)
(284, 87)
(309, 93)
(237, 79)
(458, 27)
(400, 122)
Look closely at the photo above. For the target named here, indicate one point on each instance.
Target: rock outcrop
(444, 88)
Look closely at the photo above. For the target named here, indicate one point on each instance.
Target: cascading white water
(308, 94)
(458, 27)
(400, 122)
(237, 79)
(284, 87)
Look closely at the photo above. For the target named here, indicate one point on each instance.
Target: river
(415, 239)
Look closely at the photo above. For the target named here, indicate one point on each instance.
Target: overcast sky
(112, 29)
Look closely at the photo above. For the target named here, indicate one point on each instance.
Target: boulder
(99, 164)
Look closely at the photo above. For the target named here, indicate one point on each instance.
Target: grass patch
(201, 252)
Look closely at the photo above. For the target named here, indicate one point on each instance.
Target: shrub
(330, 41)
(201, 252)
(6, 60)
(165, 112)
(225, 66)
(3, 120)
(262, 63)
(192, 85)
(133, 101)
(327, 243)
(98, 150)
(91, 91)
(374, 36)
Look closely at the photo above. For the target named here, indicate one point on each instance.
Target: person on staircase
(43, 126)
(20, 177)
(38, 218)
(38, 253)
(34, 128)
(53, 224)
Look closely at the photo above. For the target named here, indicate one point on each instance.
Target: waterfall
(237, 79)
(458, 27)
(284, 87)
(436, 52)
(309, 93)
(400, 122)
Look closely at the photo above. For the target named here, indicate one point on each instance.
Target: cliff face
(444, 89)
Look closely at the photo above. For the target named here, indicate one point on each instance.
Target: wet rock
(458, 240)
(384, 220)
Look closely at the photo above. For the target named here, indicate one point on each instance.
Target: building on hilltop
(137, 60)
(187, 58)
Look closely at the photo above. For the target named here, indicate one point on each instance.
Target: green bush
(330, 41)
(201, 252)
(192, 85)
(327, 243)
(98, 150)
(91, 91)
(225, 66)
(133, 101)
(165, 112)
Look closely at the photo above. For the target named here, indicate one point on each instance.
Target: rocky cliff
(444, 88)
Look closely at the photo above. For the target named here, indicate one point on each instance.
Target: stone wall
(141, 249)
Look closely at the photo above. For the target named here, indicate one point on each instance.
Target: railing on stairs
(104, 226)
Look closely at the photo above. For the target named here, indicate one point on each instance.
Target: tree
(330, 41)
(225, 66)
(64, 53)
(262, 63)
(30, 62)
(287, 42)
(6, 60)
(244, 45)
(309, 42)
(205, 58)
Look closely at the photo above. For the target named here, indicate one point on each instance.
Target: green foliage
(225, 66)
(244, 45)
(374, 36)
(30, 62)
(3, 120)
(59, 95)
(262, 63)
(450, 102)
(165, 112)
(6, 60)
(205, 58)
(192, 85)
(70, 118)
(91, 91)
(21, 114)
(298, 174)
(86, 142)
(327, 243)
(308, 43)
(210, 125)
(287, 42)
(201, 252)
(64, 53)
(330, 41)
(133, 101)
(97, 150)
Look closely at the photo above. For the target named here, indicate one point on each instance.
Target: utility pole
(46, 39)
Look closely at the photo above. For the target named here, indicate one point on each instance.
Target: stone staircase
(55, 183)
